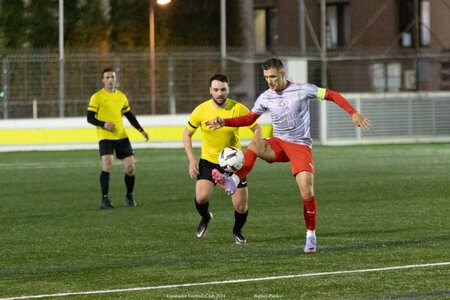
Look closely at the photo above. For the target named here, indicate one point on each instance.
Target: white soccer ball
(231, 159)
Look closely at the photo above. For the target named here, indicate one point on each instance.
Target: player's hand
(109, 126)
(145, 134)
(193, 169)
(361, 121)
(215, 124)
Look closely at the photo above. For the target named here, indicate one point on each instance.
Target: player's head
(109, 79)
(218, 88)
(273, 70)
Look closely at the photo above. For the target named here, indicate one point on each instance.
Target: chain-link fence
(30, 85)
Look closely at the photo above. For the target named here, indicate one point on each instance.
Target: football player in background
(105, 111)
(288, 104)
(212, 144)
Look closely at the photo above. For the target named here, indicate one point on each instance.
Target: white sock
(310, 233)
(235, 179)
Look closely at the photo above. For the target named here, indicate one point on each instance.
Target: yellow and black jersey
(109, 107)
(214, 141)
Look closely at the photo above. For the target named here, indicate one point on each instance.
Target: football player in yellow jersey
(212, 143)
(105, 111)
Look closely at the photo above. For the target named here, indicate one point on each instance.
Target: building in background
(369, 46)
(379, 46)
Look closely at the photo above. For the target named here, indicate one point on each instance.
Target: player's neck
(109, 90)
(286, 83)
(217, 105)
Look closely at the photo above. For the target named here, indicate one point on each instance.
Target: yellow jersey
(214, 141)
(109, 107)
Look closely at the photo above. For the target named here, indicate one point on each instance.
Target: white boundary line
(171, 286)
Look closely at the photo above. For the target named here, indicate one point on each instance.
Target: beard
(220, 101)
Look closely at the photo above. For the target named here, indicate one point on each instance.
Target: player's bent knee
(107, 164)
(240, 202)
(262, 149)
(242, 209)
(130, 171)
(307, 192)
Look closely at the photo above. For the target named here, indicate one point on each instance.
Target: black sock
(104, 183)
(239, 221)
(129, 181)
(202, 209)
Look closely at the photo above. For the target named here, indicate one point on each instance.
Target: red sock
(249, 162)
(310, 212)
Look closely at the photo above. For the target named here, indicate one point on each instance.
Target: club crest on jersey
(284, 104)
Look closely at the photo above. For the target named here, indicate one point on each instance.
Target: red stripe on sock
(310, 212)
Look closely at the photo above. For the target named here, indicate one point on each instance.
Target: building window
(386, 77)
(265, 29)
(425, 23)
(338, 25)
(407, 22)
(260, 30)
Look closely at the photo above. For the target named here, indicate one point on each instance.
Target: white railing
(396, 117)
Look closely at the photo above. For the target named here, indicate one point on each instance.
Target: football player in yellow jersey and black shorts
(105, 111)
(212, 143)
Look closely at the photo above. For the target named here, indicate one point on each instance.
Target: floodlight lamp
(162, 2)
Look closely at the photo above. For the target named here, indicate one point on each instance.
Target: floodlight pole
(323, 107)
(223, 36)
(61, 59)
(152, 57)
(302, 27)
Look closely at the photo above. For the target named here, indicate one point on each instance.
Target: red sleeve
(339, 100)
(246, 120)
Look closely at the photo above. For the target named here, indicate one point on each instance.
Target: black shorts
(205, 169)
(121, 147)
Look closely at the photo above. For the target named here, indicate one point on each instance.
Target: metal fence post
(171, 83)
(5, 87)
(358, 108)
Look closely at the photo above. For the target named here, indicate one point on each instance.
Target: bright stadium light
(163, 2)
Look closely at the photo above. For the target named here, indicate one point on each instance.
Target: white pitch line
(171, 286)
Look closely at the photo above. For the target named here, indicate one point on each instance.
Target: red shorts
(300, 156)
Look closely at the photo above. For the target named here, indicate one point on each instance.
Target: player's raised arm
(361, 121)
(216, 123)
(357, 119)
(241, 121)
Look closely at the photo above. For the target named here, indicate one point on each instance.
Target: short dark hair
(273, 63)
(106, 70)
(219, 77)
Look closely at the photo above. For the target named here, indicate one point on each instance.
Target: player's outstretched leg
(225, 181)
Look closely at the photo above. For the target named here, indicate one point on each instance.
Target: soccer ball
(231, 159)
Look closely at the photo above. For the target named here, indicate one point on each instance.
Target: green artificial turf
(379, 206)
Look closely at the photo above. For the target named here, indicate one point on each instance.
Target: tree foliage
(12, 22)
(42, 23)
(110, 25)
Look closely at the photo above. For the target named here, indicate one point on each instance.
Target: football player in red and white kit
(288, 104)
